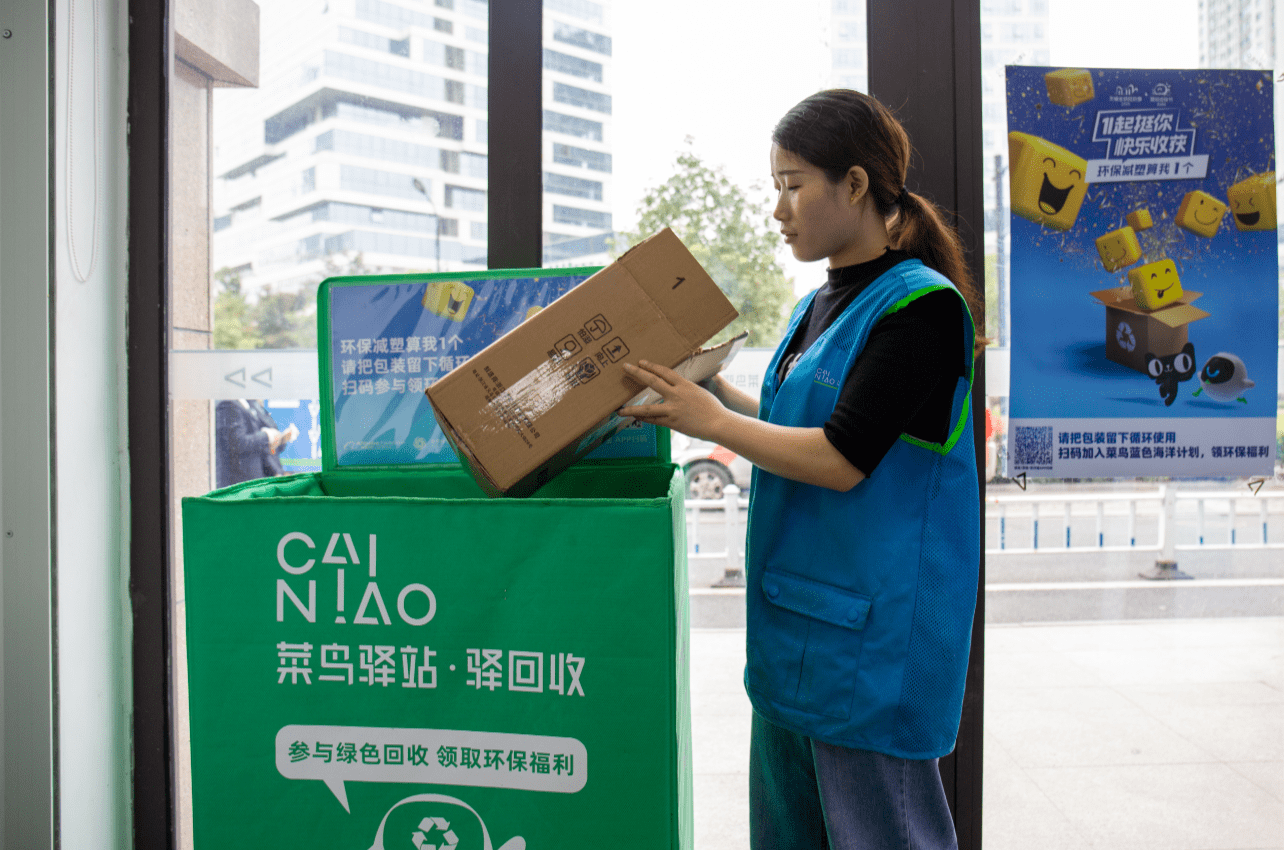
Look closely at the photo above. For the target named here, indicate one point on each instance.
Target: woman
(863, 544)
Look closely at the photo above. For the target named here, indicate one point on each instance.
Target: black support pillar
(515, 193)
(925, 64)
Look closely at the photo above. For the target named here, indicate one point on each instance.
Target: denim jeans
(808, 795)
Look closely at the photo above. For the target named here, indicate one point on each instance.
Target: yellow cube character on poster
(1252, 202)
(1048, 181)
(1200, 213)
(449, 298)
(1069, 87)
(1155, 285)
(1118, 248)
(1140, 220)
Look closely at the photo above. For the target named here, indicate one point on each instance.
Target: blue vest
(860, 603)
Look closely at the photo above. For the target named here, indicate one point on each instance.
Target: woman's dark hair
(839, 128)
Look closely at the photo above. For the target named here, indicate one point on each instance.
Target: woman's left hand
(687, 407)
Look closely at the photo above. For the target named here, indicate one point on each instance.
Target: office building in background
(364, 148)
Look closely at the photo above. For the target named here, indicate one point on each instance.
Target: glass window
(1109, 678)
(572, 126)
(580, 37)
(354, 143)
(575, 66)
(562, 184)
(575, 96)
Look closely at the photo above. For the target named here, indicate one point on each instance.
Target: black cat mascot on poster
(1170, 370)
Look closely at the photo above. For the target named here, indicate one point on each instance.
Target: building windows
(354, 178)
(347, 35)
(469, 200)
(373, 242)
(572, 65)
(396, 78)
(474, 165)
(561, 184)
(583, 9)
(341, 213)
(376, 147)
(570, 249)
(583, 98)
(569, 155)
(581, 218)
(572, 126)
(582, 38)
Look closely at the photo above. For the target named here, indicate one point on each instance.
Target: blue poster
(1144, 283)
(389, 339)
(303, 453)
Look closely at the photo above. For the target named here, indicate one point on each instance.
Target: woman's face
(818, 218)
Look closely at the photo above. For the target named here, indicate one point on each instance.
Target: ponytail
(921, 231)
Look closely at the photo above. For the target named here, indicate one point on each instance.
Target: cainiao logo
(826, 378)
(296, 554)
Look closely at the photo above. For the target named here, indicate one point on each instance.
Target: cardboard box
(545, 394)
(1132, 331)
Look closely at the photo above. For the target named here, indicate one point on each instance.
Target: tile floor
(1111, 736)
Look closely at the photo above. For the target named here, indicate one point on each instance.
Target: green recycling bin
(380, 656)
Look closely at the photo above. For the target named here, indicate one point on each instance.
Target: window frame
(943, 120)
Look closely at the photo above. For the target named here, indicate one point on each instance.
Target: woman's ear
(857, 184)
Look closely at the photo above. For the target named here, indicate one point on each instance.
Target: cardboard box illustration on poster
(1144, 272)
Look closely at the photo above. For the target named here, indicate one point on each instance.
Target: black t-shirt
(903, 381)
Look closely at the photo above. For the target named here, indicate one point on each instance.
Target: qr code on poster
(1032, 447)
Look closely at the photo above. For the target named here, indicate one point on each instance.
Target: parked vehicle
(709, 467)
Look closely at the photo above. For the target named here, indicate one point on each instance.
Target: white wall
(94, 693)
(63, 573)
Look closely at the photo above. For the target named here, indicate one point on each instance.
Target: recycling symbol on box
(1124, 336)
(424, 833)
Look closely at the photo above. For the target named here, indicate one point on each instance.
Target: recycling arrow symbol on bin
(426, 826)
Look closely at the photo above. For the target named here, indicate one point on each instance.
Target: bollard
(734, 574)
(1165, 568)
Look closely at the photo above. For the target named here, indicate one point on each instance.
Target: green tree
(730, 234)
(283, 319)
(233, 327)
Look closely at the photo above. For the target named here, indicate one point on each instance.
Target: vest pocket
(806, 649)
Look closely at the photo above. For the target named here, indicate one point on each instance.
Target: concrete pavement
(1164, 734)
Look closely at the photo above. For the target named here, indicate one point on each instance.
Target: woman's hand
(687, 407)
(801, 454)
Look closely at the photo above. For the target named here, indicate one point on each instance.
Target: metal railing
(1175, 528)
(1163, 520)
(724, 514)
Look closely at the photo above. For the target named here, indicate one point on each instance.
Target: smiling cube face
(1069, 87)
(1047, 181)
(1252, 202)
(1155, 285)
(449, 298)
(1200, 213)
(1118, 248)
